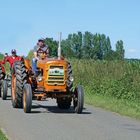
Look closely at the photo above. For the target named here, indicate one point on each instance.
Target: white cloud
(132, 50)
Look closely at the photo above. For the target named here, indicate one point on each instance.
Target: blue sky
(22, 22)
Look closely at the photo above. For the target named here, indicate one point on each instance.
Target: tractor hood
(51, 61)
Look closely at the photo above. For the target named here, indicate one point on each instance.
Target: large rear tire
(19, 79)
(4, 90)
(27, 98)
(78, 99)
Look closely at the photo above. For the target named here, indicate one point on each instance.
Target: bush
(120, 79)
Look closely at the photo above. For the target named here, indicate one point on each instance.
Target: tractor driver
(39, 49)
(11, 59)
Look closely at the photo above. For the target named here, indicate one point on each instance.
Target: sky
(23, 22)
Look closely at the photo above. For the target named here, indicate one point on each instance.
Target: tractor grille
(56, 75)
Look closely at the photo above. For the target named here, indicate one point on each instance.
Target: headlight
(39, 78)
(71, 79)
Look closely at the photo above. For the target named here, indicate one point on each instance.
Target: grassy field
(2, 136)
(121, 106)
(111, 85)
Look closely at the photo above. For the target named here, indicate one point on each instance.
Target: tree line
(87, 46)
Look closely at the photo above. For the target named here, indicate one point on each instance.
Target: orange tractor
(54, 81)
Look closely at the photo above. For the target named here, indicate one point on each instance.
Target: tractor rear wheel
(0, 89)
(63, 103)
(27, 98)
(2, 75)
(19, 79)
(78, 99)
(4, 90)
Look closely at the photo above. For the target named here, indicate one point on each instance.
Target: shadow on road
(54, 109)
(132, 127)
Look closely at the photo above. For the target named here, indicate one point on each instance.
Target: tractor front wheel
(78, 100)
(4, 90)
(27, 98)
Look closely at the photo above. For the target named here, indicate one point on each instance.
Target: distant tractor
(53, 81)
(5, 82)
(5, 85)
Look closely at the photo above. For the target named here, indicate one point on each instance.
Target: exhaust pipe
(59, 46)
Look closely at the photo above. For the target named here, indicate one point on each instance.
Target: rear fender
(27, 64)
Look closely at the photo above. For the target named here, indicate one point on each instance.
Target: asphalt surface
(47, 122)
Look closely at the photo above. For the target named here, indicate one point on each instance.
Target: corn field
(117, 79)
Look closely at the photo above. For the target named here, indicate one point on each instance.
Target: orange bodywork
(27, 64)
(50, 83)
(45, 66)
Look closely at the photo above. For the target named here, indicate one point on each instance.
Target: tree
(30, 55)
(53, 45)
(1, 56)
(87, 46)
(98, 50)
(66, 49)
(120, 50)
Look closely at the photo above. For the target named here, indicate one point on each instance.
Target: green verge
(113, 85)
(2, 136)
(121, 106)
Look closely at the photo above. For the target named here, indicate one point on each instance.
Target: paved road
(47, 122)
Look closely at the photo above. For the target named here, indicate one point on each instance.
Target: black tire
(4, 90)
(27, 98)
(63, 103)
(79, 99)
(0, 90)
(8, 79)
(39, 98)
(19, 74)
(69, 82)
(2, 76)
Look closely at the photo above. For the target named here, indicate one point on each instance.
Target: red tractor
(5, 78)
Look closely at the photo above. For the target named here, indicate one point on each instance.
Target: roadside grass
(121, 106)
(112, 85)
(2, 136)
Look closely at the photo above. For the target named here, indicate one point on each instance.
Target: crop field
(113, 85)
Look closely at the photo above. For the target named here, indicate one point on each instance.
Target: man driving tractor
(39, 50)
